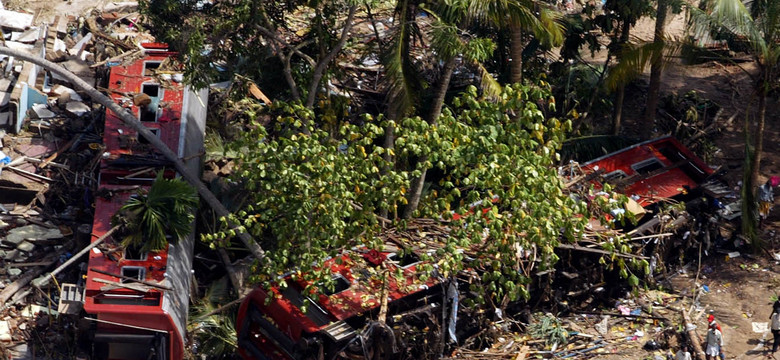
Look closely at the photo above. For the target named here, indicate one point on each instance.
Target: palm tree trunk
(618, 115)
(621, 91)
(416, 187)
(441, 90)
(136, 125)
(656, 68)
(758, 148)
(516, 53)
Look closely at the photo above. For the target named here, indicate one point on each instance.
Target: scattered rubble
(51, 146)
(50, 150)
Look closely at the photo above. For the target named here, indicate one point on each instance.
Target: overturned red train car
(278, 328)
(651, 171)
(139, 301)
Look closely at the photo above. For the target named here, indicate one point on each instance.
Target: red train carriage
(139, 301)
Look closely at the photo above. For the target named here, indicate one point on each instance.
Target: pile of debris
(655, 321)
(50, 151)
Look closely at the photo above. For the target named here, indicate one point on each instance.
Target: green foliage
(149, 220)
(218, 39)
(214, 332)
(311, 196)
(550, 329)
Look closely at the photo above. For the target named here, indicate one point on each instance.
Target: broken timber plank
(159, 286)
(113, 285)
(45, 280)
(599, 251)
(95, 29)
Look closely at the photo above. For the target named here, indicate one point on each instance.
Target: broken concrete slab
(78, 68)
(31, 232)
(61, 89)
(28, 36)
(5, 331)
(14, 271)
(59, 45)
(41, 111)
(15, 45)
(26, 246)
(80, 45)
(77, 108)
(15, 20)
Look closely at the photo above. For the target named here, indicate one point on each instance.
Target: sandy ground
(741, 288)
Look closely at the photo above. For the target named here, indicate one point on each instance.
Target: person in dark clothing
(774, 325)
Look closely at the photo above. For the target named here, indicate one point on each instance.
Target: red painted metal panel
(125, 82)
(680, 170)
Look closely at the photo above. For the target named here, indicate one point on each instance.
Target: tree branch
(319, 70)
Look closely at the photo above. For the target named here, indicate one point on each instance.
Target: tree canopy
(312, 196)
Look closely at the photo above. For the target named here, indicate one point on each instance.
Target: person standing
(774, 323)
(710, 321)
(714, 342)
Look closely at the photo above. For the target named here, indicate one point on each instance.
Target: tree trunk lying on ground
(693, 337)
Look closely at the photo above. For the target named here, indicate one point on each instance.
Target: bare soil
(742, 288)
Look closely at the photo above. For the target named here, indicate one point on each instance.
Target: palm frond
(532, 16)
(491, 88)
(150, 218)
(215, 333)
(729, 15)
(633, 61)
(403, 80)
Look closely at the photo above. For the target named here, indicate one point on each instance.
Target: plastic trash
(4, 159)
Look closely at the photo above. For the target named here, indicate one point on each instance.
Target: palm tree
(759, 26)
(149, 220)
(520, 18)
(656, 68)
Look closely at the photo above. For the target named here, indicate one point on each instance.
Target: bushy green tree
(312, 196)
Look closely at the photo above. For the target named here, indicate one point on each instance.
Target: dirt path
(741, 289)
(740, 296)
